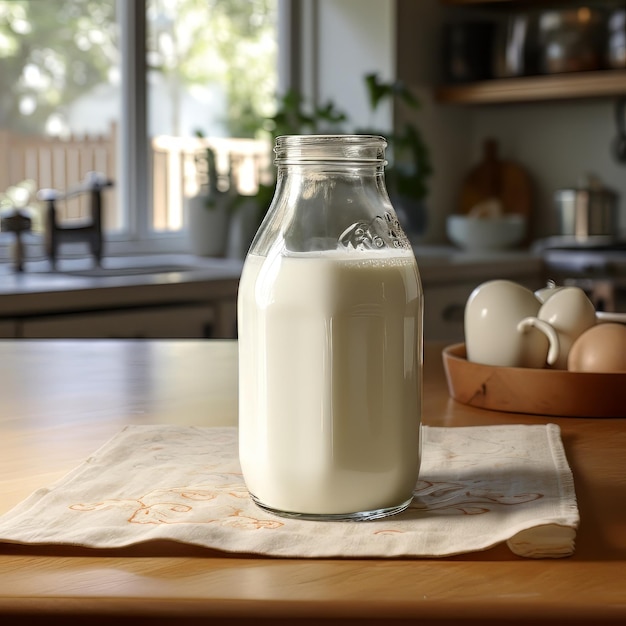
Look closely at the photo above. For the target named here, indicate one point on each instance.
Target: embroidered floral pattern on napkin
(479, 486)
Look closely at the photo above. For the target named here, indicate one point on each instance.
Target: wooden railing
(179, 171)
(62, 163)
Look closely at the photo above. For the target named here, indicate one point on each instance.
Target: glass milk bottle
(330, 339)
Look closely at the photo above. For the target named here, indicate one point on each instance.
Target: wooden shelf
(471, 2)
(510, 2)
(601, 84)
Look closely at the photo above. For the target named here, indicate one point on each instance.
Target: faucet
(17, 222)
(90, 232)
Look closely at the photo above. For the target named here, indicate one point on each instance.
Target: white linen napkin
(479, 486)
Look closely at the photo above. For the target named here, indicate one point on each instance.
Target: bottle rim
(360, 149)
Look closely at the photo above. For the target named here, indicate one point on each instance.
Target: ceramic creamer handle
(548, 331)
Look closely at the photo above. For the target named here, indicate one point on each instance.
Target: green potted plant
(409, 159)
(209, 211)
(409, 166)
(294, 117)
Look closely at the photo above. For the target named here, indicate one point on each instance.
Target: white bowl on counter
(486, 233)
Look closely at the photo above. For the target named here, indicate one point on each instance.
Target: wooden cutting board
(494, 178)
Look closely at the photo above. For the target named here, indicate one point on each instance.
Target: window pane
(212, 80)
(60, 98)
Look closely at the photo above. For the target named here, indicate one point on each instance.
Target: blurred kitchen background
(135, 147)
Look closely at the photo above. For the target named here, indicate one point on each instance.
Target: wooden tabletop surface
(63, 399)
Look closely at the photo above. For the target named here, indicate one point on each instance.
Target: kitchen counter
(77, 298)
(436, 263)
(143, 296)
(63, 399)
(132, 280)
(444, 264)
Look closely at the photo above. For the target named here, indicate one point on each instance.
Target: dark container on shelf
(468, 51)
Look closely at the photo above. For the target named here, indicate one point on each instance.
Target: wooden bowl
(534, 391)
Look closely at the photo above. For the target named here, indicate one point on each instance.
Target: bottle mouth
(355, 149)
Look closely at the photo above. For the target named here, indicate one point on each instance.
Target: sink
(111, 267)
(170, 267)
(103, 272)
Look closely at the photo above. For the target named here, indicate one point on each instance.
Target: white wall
(344, 40)
(557, 142)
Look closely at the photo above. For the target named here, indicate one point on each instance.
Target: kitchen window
(126, 88)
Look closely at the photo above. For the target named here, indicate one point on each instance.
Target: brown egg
(601, 348)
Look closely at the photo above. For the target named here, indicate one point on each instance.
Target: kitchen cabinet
(444, 305)
(175, 322)
(449, 279)
(197, 302)
(8, 329)
(204, 315)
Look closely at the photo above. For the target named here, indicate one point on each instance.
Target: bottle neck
(330, 195)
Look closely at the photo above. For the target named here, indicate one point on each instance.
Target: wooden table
(62, 399)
